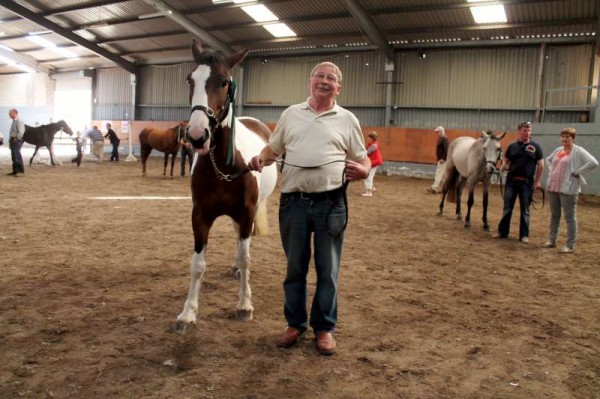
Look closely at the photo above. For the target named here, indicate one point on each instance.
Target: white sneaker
(367, 194)
(549, 244)
(567, 250)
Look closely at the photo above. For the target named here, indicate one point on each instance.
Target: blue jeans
(323, 220)
(521, 189)
(15, 154)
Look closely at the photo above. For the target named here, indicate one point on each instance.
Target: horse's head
(63, 126)
(212, 94)
(492, 149)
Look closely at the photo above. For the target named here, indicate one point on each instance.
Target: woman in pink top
(566, 165)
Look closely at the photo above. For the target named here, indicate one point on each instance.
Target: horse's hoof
(243, 315)
(486, 227)
(458, 217)
(467, 225)
(439, 212)
(235, 271)
(182, 328)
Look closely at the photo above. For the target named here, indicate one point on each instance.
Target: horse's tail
(450, 184)
(261, 224)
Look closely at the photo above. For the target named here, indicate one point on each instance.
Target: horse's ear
(237, 58)
(501, 136)
(483, 134)
(197, 50)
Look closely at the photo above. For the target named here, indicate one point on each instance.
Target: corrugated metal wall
(486, 88)
(285, 81)
(567, 67)
(480, 78)
(112, 96)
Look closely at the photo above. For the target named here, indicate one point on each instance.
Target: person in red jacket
(374, 153)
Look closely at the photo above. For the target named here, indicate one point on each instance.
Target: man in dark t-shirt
(115, 141)
(524, 161)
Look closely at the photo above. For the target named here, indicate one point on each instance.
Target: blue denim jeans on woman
(323, 221)
(521, 189)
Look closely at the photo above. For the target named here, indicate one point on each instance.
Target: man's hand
(256, 164)
(356, 171)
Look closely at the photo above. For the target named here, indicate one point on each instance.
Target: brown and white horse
(221, 182)
(471, 161)
(165, 140)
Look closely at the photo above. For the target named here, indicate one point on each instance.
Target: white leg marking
(197, 268)
(242, 261)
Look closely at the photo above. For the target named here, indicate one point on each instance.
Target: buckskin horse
(221, 182)
(43, 136)
(469, 162)
(165, 140)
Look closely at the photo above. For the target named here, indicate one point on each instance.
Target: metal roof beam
(375, 35)
(69, 35)
(24, 60)
(189, 25)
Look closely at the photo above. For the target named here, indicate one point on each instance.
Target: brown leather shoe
(325, 343)
(288, 337)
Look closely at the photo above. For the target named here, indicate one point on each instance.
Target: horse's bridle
(213, 123)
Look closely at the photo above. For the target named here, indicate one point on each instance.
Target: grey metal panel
(112, 94)
(164, 84)
(164, 113)
(265, 114)
(282, 81)
(482, 78)
(567, 66)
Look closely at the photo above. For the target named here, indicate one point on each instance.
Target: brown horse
(221, 182)
(165, 140)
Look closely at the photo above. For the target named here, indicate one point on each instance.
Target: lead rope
(344, 186)
(230, 148)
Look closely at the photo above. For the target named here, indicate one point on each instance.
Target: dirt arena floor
(89, 289)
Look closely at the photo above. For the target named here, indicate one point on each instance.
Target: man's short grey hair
(336, 69)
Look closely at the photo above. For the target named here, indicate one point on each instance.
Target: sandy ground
(89, 289)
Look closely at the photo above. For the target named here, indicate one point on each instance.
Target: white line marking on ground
(140, 198)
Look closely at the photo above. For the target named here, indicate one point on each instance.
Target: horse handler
(97, 143)
(15, 142)
(316, 132)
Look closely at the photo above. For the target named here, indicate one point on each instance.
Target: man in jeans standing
(17, 130)
(524, 161)
(326, 141)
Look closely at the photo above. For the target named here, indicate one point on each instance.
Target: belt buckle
(304, 196)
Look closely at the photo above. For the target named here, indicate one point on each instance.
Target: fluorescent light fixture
(41, 41)
(232, 1)
(25, 68)
(280, 30)
(489, 14)
(156, 14)
(3, 47)
(2, 33)
(64, 52)
(260, 13)
(39, 32)
(6, 60)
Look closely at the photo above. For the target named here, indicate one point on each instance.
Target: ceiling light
(25, 68)
(41, 41)
(64, 52)
(155, 14)
(260, 13)
(280, 30)
(39, 32)
(6, 60)
(488, 14)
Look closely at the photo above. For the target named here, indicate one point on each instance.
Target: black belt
(322, 196)
(519, 178)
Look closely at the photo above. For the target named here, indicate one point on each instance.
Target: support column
(539, 96)
(131, 118)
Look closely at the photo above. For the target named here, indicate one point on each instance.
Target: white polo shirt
(311, 139)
